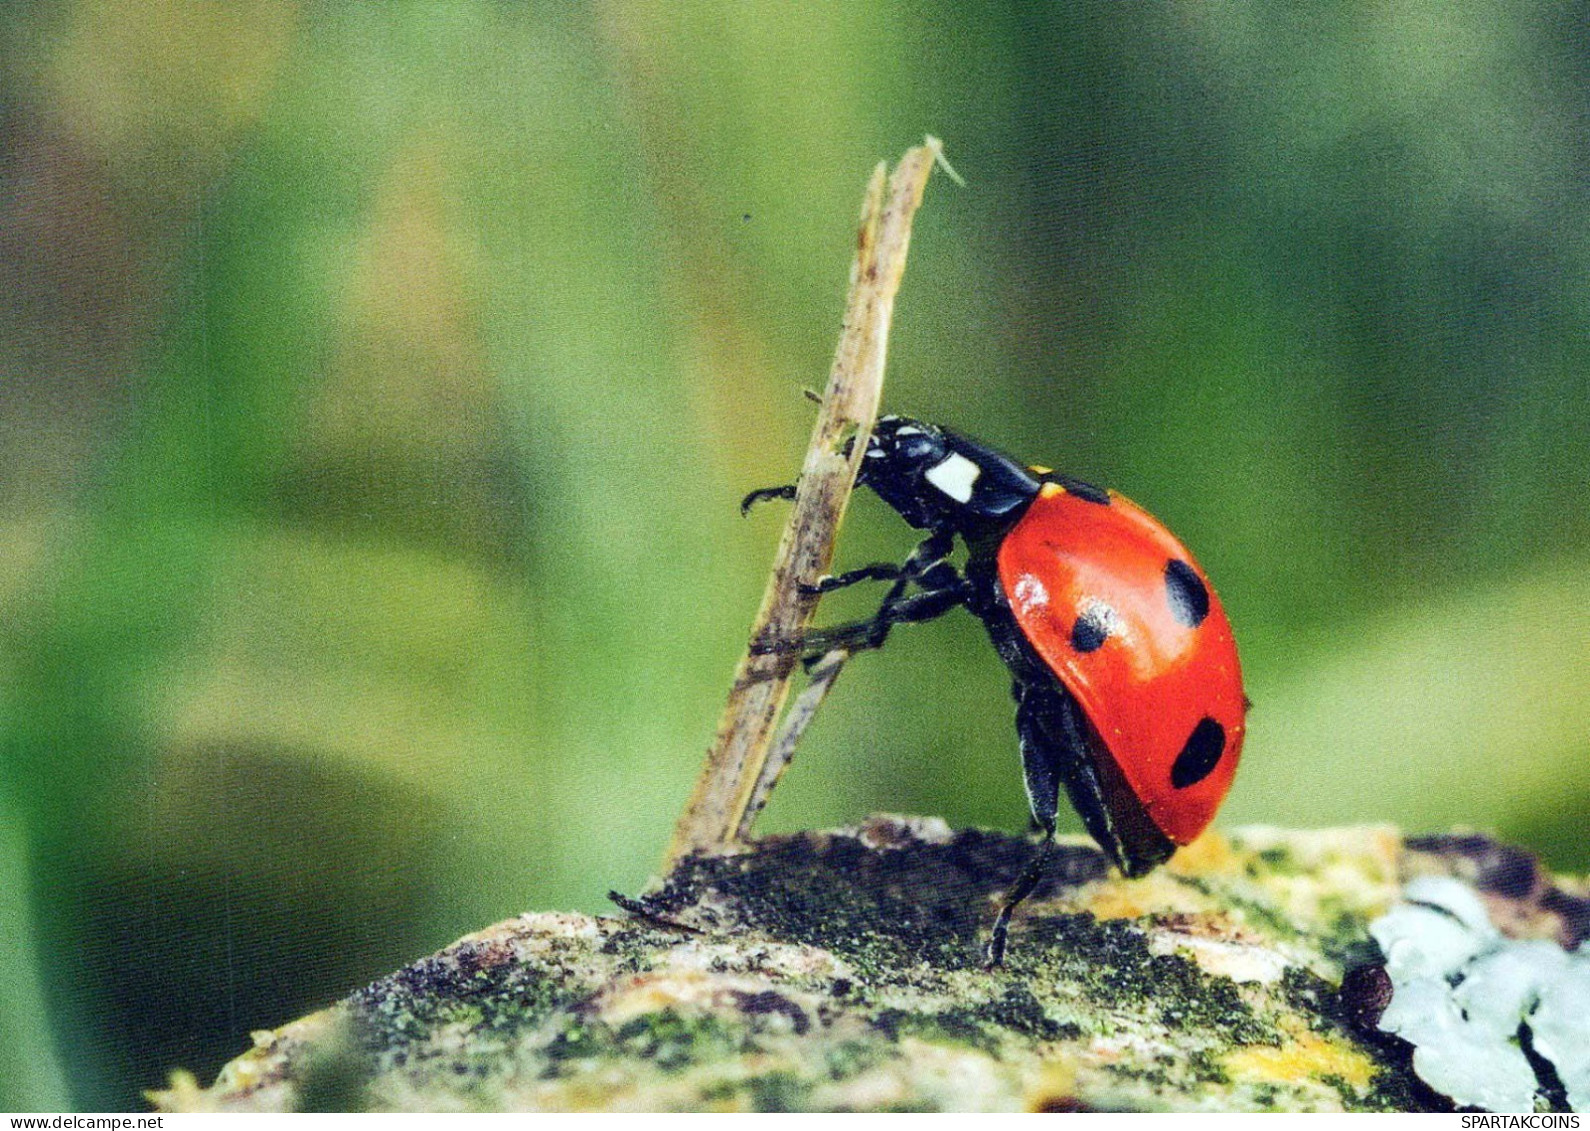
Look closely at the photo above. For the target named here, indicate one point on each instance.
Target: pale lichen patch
(1495, 1023)
(1231, 960)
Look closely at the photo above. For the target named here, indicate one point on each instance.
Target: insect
(1125, 674)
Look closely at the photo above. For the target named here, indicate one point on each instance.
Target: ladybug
(1125, 674)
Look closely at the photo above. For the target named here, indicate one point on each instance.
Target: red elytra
(1154, 678)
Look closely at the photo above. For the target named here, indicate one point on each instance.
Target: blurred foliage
(31, 1077)
(376, 384)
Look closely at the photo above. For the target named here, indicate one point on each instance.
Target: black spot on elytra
(1087, 492)
(1091, 630)
(1189, 599)
(1201, 754)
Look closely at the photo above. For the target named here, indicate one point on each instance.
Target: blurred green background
(377, 383)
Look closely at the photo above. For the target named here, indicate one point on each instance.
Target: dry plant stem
(721, 807)
(796, 720)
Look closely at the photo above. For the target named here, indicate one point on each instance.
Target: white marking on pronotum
(909, 430)
(954, 475)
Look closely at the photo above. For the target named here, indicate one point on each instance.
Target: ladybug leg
(942, 587)
(878, 571)
(994, 956)
(1057, 750)
(1052, 730)
(1054, 753)
(932, 550)
(943, 590)
(1039, 763)
(765, 495)
(1040, 771)
(929, 552)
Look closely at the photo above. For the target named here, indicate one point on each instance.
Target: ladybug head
(901, 454)
(937, 479)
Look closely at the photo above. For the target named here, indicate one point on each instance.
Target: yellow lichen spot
(1303, 1056)
(1384, 857)
(1116, 902)
(1055, 1089)
(1155, 894)
(1209, 854)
